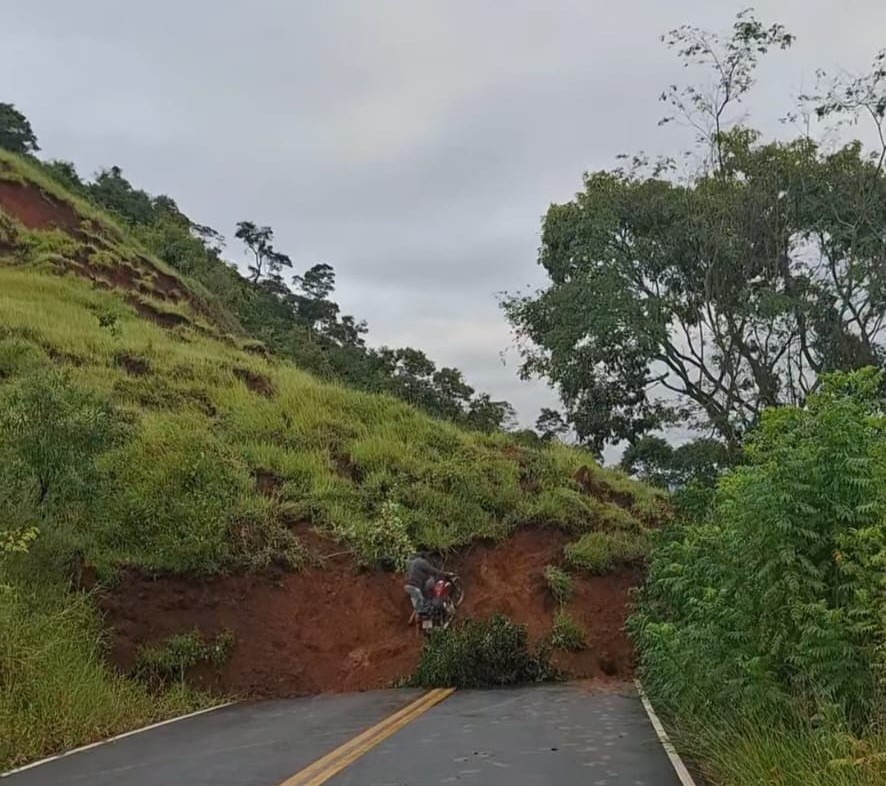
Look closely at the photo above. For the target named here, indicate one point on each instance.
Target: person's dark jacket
(419, 572)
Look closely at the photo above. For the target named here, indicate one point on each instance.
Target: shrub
(51, 431)
(567, 634)
(481, 654)
(383, 541)
(602, 552)
(775, 600)
(560, 583)
(170, 659)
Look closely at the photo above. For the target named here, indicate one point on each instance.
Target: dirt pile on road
(337, 628)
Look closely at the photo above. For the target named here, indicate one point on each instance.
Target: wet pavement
(553, 734)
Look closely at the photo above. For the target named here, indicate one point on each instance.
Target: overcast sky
(412, 144)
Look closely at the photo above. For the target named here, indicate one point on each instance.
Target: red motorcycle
(438, 611)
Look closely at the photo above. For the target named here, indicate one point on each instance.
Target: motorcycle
(438, 611)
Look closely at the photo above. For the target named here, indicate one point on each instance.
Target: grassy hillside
(141, 427)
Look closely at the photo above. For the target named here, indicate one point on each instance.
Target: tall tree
(714, 295)
(260, 241)
(16, 133)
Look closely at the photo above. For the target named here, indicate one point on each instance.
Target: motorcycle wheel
(458, 593)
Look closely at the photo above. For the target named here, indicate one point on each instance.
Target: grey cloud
(414, 146)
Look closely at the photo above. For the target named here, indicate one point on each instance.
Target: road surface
(568, 735)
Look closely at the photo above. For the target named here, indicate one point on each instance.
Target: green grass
(736, 749)
(56, 691)
(567, 634)
(341, 454)
(602, 552)
(560, 583)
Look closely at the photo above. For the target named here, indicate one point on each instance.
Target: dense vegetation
(761, 627)
(162, 425)
(141, 426)
(482, 654)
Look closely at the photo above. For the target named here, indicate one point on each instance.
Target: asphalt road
(556, 734)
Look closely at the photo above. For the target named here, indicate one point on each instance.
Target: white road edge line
(113, 739)
(680, 768)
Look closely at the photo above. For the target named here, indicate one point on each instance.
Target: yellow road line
(334, 762)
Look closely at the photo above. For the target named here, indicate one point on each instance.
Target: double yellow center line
(333, 763)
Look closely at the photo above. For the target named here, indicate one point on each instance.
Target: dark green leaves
(15, 131)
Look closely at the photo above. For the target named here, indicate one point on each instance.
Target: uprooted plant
(482, 654)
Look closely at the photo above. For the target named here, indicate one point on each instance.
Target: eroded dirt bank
(339, 629)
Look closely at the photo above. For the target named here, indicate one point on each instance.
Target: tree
(65, 173)
(712, 296)
(550, 424)
(113, 191)
(259, 240)
(485, 414)
(653, 460)
(16, 133)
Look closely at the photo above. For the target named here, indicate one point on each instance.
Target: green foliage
(746, 748)
(654, 460)
(774, 602)
(174, 489)
(56, 691)
(174, 495)
(16, 134)
(170, 659)
(16, 540)
(304, 323)
(385, 541)
(603, 552)
(560, 583)
(51, 431)
(259, 240)
(481, 654)
(734, 286)
(567, 634)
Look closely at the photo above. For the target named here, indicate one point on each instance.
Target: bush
(51, 431)
(774, 602)
(602, 552)
(560, 583)
(170, 659)
(567, 634)
(481, 654)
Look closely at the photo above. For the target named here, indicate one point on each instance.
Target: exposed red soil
(336, 628)
(35, 209)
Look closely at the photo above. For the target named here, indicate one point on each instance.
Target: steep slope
(198, 481)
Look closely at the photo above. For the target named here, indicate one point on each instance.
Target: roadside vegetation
(761, 627)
